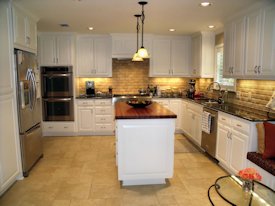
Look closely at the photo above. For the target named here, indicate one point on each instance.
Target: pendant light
(136, 57)
(142, 52)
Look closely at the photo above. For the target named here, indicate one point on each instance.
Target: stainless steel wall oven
(57, 92)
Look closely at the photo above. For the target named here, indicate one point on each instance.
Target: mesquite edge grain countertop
(153, 111)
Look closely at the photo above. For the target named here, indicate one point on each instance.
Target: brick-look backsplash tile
(128, 77)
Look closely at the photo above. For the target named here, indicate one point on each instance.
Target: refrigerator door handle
(22, 95)
(29, 78)
(33, 89)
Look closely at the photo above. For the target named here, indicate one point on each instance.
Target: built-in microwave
(57, 81)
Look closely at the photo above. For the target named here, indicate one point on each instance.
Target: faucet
(219, 88)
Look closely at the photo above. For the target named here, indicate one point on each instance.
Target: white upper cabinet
(250, 44)
(170, 56)
(260, 41)
(93, 56)
(125, 45)
(25, 30)
(234, 48)
(202, 46)
(55, 49)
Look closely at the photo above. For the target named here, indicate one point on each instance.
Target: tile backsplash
(128, 77)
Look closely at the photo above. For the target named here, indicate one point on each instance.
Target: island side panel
(145, 150)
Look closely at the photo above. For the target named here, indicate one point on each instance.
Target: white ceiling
(116, 16)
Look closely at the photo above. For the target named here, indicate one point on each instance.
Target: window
(226, 83)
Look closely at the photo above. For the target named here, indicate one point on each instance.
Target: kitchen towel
(206, 122)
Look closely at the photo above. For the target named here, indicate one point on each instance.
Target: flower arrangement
(250, 174)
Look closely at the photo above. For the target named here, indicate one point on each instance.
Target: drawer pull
(65, 127)
(238, 125)
(223, 119)
(50, 127)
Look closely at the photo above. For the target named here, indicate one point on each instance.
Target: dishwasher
(209, 141)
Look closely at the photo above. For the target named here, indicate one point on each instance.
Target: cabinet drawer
(103, 127)
(103, 119)
(223, 119)
(85, 103)
(195, 107)
(103, 110)
(241, 126)
(103, 102)
(58, 127)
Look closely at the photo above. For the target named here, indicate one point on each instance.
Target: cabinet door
(238, 46)
(252, 43)
(223, 144)
(197, 128)
(180, 55)
(267, 55)
(18, 26)
(85, 57)
(47, 50)
(163, 102)
(64, 50)
(184, 118)
(228, 50)
(31, 33)
(161, 58)
(196, 55)
(237, 158)
(85, 119)
(102, 53)
(175, 106)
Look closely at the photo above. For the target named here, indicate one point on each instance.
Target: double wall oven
(57, 93)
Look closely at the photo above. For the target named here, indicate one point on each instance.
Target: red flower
(250, 174)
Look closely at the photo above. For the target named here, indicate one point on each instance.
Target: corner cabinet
(93, 56)
(175, 106)
(170, 56)
(24, 30)
(203, 49)
(10, 160)
(56, 49)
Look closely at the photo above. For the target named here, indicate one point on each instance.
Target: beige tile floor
(81, 171)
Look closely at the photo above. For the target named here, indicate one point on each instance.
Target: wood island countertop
(153, 111)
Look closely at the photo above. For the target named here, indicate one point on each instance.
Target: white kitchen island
(145, 144)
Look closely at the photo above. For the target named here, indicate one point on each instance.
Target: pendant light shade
(142, 52)
(136, 57)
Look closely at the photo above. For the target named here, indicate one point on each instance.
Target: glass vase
(247, 185)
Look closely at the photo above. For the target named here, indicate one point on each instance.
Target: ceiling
(117, 16)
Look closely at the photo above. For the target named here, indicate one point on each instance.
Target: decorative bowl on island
(139, 103)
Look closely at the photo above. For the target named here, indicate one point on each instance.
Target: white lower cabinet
(175, 106)
(53, 128)
(232, 142)
(191, 120)
(95, 117)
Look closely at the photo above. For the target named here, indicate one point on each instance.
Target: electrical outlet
(249, 95)
(238, 94)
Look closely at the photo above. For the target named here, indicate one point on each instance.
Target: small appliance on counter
(90, 88)
(191, 90)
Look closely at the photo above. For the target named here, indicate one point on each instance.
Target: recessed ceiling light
(205, 4)
(172, 30)
(211, 26)
(90, 28)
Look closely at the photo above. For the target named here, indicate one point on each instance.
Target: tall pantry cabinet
(10, 162)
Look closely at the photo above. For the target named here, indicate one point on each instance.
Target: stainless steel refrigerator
(29, 109)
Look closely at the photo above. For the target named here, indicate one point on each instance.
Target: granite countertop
(238, 110)
(153, 111)
(84, 96)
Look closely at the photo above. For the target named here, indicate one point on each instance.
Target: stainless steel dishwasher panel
(209, 141)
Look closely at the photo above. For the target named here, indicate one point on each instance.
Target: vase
(247, 185)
